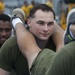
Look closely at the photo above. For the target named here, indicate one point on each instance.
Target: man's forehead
(44, 19)
(44, 16)
(40, 13)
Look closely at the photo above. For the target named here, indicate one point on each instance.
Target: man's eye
(8, 30)
(42, 23)
(50, 23)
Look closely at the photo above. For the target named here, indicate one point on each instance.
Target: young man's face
(5, 31)
(42, 25)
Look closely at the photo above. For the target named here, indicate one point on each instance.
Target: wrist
(15, 21)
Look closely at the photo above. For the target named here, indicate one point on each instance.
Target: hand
(18, 15)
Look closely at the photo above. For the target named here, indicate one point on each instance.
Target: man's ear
(28, 22)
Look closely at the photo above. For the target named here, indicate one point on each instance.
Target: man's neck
(41, 43)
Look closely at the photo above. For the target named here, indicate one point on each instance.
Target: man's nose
(46, 27)
(3, 33)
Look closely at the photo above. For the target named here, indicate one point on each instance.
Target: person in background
(57, 6)
(5, 28)
(5, 31)
(69, 35)
(49, 3)
(31, 5)
(25, 9)
(2, 7)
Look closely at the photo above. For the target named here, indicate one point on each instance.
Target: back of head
(25, 3)
(42, 7)
(71, 17)
(4, 17)
(33, 2)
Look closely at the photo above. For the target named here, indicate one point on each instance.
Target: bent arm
(58, 37)
(27, 43)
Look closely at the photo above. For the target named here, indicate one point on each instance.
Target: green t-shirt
(42, 62)
(11, 58)
(64, 61)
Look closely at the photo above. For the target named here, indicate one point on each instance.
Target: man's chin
(44, 39)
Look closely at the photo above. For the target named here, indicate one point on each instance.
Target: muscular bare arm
(28, 45)
(58, 36)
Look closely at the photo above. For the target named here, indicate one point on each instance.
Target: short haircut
(4, 17)
(42, 7)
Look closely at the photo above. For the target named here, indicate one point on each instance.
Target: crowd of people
(39, 45)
